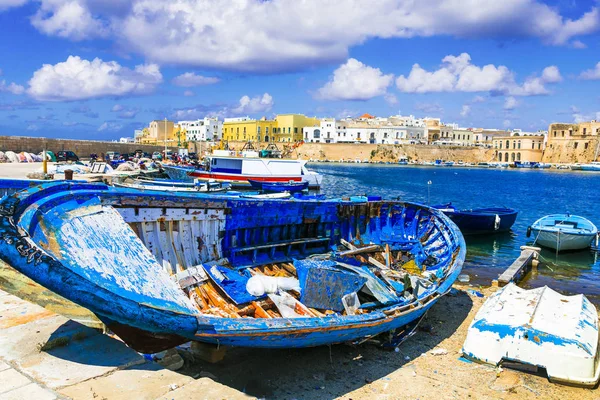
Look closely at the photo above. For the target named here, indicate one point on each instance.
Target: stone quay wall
(83, 148)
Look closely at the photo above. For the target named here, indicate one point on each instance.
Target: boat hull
(481, 221)
(115, 252)
(562, 241)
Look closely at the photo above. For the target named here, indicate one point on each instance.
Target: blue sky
(99, 69)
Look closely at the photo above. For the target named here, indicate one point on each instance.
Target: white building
(126, 140)
(202, 129)
(329, 130)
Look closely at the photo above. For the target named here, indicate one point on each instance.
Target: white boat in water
(563, 232)
(593, 166)
(238, 170)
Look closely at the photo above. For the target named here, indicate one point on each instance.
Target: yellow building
(246, 129)
(519, 148)
(289, 126)
(161, 131)
(284, 128)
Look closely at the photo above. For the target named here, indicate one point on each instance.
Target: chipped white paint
(538, 327)
(113, 257)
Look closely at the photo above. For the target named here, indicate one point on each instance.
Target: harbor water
(534, 193)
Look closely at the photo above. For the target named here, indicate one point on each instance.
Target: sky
(98, 69)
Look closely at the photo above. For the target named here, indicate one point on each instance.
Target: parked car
(66, 155)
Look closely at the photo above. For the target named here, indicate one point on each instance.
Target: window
(238, 131)
(295, 130)
(514, 144)
(266, 132)
(512, 157)
(507, 145)
(575, 145)
(539, 145)
(532, 145)
(584, 130)
(258, 130)
(519, 144)
(499, 156)
(563, 133)
(289, 129)
(518, 156)
(317, 134)
(500, 144)
(244, 131)
(506, 157)
(358, 135)
(585, 146)
(554, 133)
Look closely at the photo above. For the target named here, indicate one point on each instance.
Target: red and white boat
(237, 171)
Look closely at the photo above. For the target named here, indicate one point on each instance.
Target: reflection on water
(534, 193)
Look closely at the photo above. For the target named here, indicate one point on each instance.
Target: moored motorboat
(279, 187)
(563, 232)
(238, 170)
(480, 220)
(165, 268)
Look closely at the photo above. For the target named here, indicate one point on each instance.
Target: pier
(521, 266)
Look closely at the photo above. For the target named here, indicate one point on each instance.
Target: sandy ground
(367, 372)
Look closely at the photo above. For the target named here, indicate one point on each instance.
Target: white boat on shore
(593, 166)
(563, 232)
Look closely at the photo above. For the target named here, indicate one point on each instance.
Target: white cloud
(578, 44)
(255, 104)
(11, 87)
(551, 74)
(591, 74)
(506, 123)
(77, 79)
(391, 99)
(355, 81)
(110, 127)
(190, 79)
(117, 108)
(256, 35)
(465, 111)
(478, 99)
(6, 4)
(33, 127)
(510, 103)
(68, 19)
(457, 74)
(188, 93)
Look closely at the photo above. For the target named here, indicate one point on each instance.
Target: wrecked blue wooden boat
(161, 269)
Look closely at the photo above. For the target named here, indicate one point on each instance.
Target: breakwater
(83, 148)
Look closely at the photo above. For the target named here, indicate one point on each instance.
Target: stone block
(12, 379)
(31, 391)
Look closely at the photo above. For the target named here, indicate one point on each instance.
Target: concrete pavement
(46, 356)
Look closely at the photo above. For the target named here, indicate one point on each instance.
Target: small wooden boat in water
(162, 268)
(480, 220)
(563, 232)
(198, 187)
(279, 187)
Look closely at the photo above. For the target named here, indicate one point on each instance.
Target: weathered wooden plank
(359, 250)
(520, 267)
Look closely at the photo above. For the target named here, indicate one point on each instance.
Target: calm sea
(534, 193)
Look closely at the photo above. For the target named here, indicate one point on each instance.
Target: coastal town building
(577, 142)
(289, 127)
(484, 137)
(126, 140)
(248, 129)
(519, 146)
(432, 129)
(159, 132)
(328, 130)
(202, 129)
